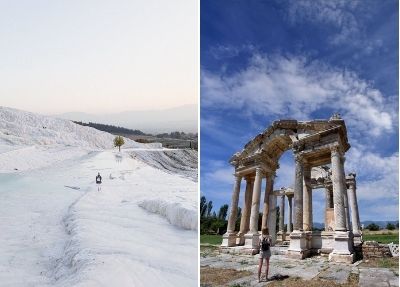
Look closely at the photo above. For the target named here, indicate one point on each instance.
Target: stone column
(268, 191)
(245, 219)
(289, 225)
(307, 198)
(229, 238)
(251, 238)
(337, 182)
(298, 195)
(298, 243)
(346, 207)
(329, 197)
(355, 217)
(329, 216)
(343, 243)
(272, 217)
(281, 233)
(255, 205)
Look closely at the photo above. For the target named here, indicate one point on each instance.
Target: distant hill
(111, 129)
(183, 118)
(381, 224)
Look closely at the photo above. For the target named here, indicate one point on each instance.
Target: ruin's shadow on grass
(278, 277)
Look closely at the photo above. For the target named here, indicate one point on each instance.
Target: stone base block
(341, 258)
(357, 238)
(240, 239)
(251, 241)
(229, 239)
(280, 236)
(298, 245)
(297, 254)
(343, 242)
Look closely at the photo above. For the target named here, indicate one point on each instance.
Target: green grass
(211, 239)
(382, 238)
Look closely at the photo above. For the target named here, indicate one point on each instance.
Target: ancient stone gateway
(315, 145)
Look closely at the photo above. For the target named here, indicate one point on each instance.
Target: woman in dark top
(265, 252)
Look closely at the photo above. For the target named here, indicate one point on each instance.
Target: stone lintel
(249, 170)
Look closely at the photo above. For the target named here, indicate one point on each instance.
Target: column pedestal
(357, 238)
(298, 245)
(229, 239)
(342, 248)
(280, 236)
(251, 243)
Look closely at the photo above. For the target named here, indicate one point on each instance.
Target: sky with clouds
(268, 60)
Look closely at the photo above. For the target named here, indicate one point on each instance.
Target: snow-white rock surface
(57, 229)
(25, 128)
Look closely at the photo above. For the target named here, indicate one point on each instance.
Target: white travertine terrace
(315, 145)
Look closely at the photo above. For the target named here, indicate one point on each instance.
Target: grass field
(211, 239)
(382, 238)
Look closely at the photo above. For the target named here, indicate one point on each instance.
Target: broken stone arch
(315, 144)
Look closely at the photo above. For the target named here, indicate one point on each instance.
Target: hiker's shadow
(278, 277)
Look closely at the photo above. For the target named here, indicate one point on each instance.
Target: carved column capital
(298, 157)
(336, 150)
(259, 171)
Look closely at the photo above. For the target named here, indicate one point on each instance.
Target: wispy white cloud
(339, 14)
(218, 171)
(297, 87)
(377, 175)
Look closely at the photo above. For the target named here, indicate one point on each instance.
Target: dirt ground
(220, 277)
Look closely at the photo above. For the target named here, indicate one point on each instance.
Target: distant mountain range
(183, 118)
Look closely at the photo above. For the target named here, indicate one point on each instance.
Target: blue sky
(268, 60)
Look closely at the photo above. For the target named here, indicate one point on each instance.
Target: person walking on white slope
(98, 181)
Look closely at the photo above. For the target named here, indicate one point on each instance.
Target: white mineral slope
(29, 140)
(58, 230)
(114, 242)
(53, 235)
(183, 162)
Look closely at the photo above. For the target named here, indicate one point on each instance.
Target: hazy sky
(98, 56)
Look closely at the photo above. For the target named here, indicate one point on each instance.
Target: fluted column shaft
(346, 207)
(234, 205)
(298, 195)
(329, 197)
(355, 217)
(268, 191)
(282, 214)
(289, 226)
(272, 216)
(307, 198)
(245, 219)
(337, 182)
(255, 204)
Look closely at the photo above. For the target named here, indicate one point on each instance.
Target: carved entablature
(312, 140)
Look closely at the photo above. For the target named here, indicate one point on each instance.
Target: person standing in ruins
(265, 252)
